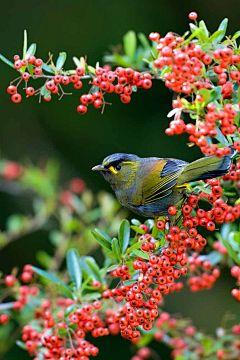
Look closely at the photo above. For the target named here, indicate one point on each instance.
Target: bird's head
(119, 169)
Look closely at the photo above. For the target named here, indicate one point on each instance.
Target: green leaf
(215, 35)
(112, 268)
(73, 267)
(76, 61)
(221, 138)
(214, 257)
(116, 249)
(197, 32)
(223, 27)
(130, 44)
(24, 44)
(92, 296)
(206, 190)
(124, 235)
(61, 60)
(121, 60)
(90, 261)
(43, 258)
(6, 61)
(21, 344)
(144, 41)
(137, 229)
(211, 95)
(141, 254)
(103, 235)
(155, 232)
(45, 92)
(62, 332)
(236, 35)
(145, 339)
(31, 50)
(47, 275)
(129, 282)
(205, 31)
(136, 222)
(215, 93)
(71, 308)
(47, 68)
(230, 251)
(136, 245)
(65, 290)
(73, 326)
(100, 239)
(15, 223)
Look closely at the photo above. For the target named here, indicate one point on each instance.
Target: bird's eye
(118, 167)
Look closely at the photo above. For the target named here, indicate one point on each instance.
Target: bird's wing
(160, 180)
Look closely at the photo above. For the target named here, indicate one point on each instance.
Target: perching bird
(149, 186)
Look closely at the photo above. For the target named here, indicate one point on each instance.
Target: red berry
(147, 84)
(154, 36)
(31, 59)
(25, 76)
(82, 109)
(37, 71)
(47, 98)
(97, 103)
(30, 91)
(80, 71)
(10, 280)
(38, 62)
(172, 210)
(12, 89)
(193, 15)
(16, 98)
(17, 65)
(78, 85)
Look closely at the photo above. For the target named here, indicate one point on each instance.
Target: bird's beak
(99, 168)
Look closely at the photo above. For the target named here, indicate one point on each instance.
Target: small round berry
(26, 76)
(12, 89)
(10, 280)
(97, 103)
(16, 98)
(80, 71)
(172, 210)
(38, 62)
(154, 36)
(37, 71)
(82, 109)
(147, 84)
(31, 59)
(47, 98)
(17, 65)
(78, 85)
(30, 91)
(193, 15)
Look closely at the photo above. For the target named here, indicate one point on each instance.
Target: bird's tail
(206, 168)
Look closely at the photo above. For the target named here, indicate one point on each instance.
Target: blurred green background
(30, 131)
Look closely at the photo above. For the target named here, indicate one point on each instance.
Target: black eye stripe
(114, 164)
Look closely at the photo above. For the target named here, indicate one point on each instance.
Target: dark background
(32, 131)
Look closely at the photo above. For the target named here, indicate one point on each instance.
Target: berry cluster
(124, 79)
(121, 81)
(200, 75)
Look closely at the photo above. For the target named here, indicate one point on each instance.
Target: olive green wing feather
(160, 180)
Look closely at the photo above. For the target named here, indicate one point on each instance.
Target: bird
(149, 186)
